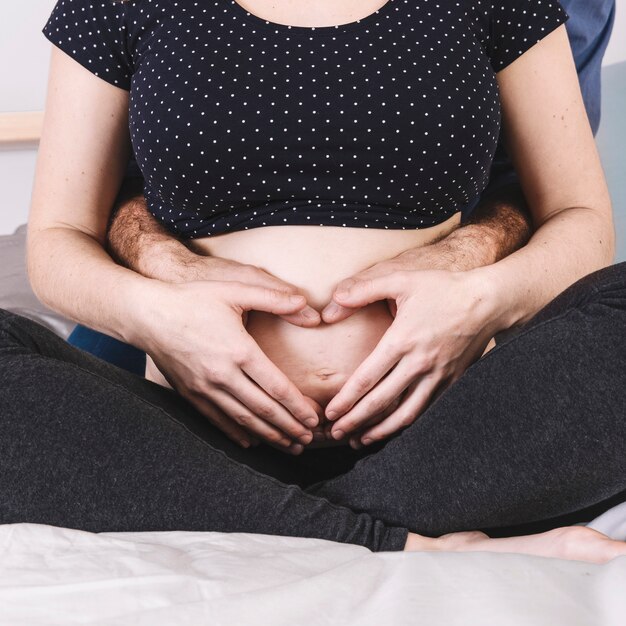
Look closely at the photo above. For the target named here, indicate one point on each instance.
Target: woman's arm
(195, 330)
(548, 135)
(83, 150)
(551, 143)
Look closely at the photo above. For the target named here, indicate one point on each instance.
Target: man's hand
(137, 241)
(497, 227)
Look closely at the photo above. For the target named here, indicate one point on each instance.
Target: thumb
(334, 312)
(253, 298)
(359, 292)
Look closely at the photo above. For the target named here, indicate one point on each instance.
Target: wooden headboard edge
(20, 128)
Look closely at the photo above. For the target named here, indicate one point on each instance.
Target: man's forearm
(499, 226)
(137, 241)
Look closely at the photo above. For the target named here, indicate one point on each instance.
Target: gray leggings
(532, 436)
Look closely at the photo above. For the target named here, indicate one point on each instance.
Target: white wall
(25, 51)
(616, 52)
(23, 73)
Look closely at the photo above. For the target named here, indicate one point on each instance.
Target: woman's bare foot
(577, 543)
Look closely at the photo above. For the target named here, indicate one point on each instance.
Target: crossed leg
(532, 431)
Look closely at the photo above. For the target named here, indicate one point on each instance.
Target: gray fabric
(15, 292)
(532, 436)
(84, 444)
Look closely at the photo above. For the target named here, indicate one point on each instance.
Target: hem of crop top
(348, 27)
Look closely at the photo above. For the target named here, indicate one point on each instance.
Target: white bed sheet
(64, 577)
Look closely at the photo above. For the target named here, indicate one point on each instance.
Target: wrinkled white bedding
(64, 577)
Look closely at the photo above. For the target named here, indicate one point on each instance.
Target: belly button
(325, 374)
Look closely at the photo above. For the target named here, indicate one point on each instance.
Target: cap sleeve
(517, 25)
(93, 32)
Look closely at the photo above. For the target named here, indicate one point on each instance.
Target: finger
(319, 434)
(266, 408)
(243, 416)
(294, 449)
(417, 399)
(357, 293)
(308, 317)
(384, 356)
(315, 405)
(224, 423)
(374, 403)
(335, 312)
(275, 384)
(253, 298)
(355, 437)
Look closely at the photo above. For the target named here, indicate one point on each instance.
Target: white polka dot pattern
(390, 121)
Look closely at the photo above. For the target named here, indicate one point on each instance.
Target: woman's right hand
(199, 267)
(196, 336)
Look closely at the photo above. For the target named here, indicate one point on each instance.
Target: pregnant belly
(315, 259)
(319, 360)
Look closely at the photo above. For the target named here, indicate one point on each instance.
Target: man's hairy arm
(136, 240)
(497, 227)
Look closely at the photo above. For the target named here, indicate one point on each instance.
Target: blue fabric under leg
(109, 349)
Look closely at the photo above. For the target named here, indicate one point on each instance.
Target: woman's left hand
(443, 322)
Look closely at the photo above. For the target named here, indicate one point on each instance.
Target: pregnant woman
(308, 145)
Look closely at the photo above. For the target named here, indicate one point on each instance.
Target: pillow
(15, 292)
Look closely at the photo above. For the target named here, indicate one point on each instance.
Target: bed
(60, 576)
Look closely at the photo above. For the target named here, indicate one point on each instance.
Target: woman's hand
(443, 322)
(197, 339)
(139, 242)
(434, 256)
(224, 270)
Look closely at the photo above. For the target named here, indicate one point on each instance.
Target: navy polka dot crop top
(236, 122)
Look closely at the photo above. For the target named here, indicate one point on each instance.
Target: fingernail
(244, 443)
(307, 438)
(310, 314)
(297, 449)
(331, 310)
(366, 441)
(331, 415)
(285, 442)
(312, 422)
(342, 292)
(337, 434)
